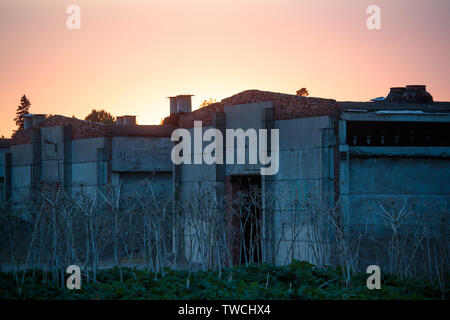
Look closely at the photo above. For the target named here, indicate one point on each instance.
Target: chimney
(181, 103)
(38, 118)
(129, 120)
(119, 120)
(184, 103)
(27, 121)
(173, 105)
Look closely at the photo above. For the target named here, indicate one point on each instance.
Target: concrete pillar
(67, 158)
(219, 123)
(101, 167)
(108, 158)
(178, 219)
(267, 186)
(36, 161)
(327, 165)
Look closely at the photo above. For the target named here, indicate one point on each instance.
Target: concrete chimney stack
(173, 105)
(181, 103)
(129, 120)
(119, 120)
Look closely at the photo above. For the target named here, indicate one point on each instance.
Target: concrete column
(67, 158)
(177, 217)
(219, 123)
(267, 186)
(36, 161)
(108, 158)
(101, 167)
(327, 164)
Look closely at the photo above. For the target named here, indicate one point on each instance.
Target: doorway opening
(246, 219)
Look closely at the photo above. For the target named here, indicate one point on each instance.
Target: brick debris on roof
(286, 106)
(81, 129)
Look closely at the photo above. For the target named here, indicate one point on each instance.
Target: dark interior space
(390, 133)
(246, 190)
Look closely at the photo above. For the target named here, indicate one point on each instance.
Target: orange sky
(130, 55)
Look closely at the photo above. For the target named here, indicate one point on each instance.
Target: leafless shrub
(141, 227)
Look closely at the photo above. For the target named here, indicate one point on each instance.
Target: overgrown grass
(299, 280)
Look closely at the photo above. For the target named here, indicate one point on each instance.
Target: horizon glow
(129, 56)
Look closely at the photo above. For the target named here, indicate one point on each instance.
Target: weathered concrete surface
(141, 154)
(400, 176)
(303, 184)
(308, 172)
(85, 150)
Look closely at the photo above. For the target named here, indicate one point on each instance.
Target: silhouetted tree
(303, 92)
(22, 110)
(100, 116)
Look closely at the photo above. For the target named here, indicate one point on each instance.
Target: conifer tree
(22, 110)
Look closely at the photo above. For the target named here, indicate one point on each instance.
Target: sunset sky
(130, 55)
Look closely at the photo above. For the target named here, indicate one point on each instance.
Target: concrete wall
(303, 185)
(419, 185)
(305, 177)
(86, 162)
(157, 183)
(141, 154)
(21, 164)
(52, 154)
(394, 179)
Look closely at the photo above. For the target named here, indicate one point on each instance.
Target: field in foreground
(299, 280)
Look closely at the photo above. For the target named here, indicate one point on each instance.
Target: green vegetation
(299, 280)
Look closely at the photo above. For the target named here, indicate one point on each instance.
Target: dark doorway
(246, 221)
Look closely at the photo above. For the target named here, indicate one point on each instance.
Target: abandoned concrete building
(353, 158)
